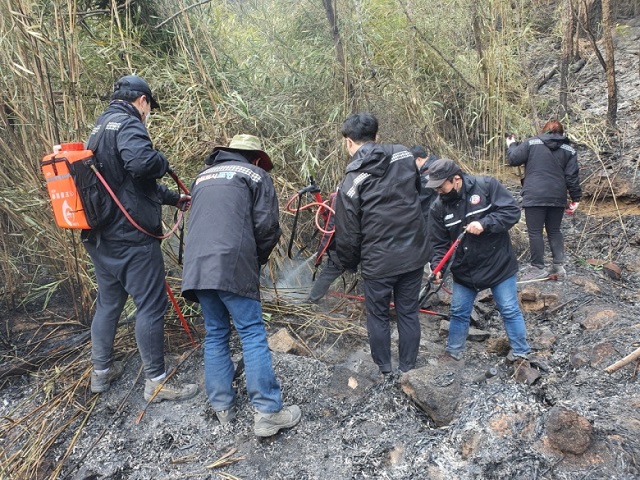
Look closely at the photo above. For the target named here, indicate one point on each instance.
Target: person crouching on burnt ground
(486, 210)
(423, 161)
(427, 195)
(232, 229)
(379, 225)
(332, 268)
(551, 169)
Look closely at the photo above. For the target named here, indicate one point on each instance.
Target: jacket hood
(553, 141)
(370, 158)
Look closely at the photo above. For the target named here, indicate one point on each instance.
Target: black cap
(418, 151)
(134, 83)
(440, 170)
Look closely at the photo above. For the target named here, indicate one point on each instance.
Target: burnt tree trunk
(612, 89)
(568, 27)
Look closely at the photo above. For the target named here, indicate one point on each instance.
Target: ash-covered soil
(357, 426)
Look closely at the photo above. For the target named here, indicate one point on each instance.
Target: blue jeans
(506, 298)
(262, 386)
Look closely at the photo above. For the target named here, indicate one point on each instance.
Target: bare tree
(337, 40)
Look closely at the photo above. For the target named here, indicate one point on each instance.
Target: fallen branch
(635, 355)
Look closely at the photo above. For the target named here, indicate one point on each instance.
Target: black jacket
(551, 168)
(481, 261)
(131, 167)
(233, 227)
(379, 222)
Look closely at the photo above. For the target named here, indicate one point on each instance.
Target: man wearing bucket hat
(233, 227)
(486, 210)
(126, 260)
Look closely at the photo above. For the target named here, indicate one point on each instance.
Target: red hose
(361, 298)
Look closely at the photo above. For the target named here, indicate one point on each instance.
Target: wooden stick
(635, 355)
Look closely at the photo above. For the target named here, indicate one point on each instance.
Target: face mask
(450, 196)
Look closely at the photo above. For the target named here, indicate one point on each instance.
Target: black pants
(405, 288)
(550, 219)
(123, 270)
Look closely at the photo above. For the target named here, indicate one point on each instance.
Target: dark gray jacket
(131, 167)
(551, 169)
(233, 227)
(481, 261)
(379, 222)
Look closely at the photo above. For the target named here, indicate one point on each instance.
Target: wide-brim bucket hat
(251, 143)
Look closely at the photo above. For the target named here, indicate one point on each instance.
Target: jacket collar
(225, 156)
(124, 106)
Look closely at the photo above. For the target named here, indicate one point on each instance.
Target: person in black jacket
(551, 169)
(485, 210)
(126, 260)
(233, 227)
(380, 226)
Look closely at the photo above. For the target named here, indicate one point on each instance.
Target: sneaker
(168, 392)
(557, 269)
(100, 381)
(268, 424)
(533, 273)
(225, 416)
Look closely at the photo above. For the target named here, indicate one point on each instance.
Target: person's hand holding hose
(184, 202)
(571, 208)
(475, 228)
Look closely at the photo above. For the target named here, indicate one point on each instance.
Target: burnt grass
(354, 424)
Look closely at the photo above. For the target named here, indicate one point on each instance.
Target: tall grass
(447, 74)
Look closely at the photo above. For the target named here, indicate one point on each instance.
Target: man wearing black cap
(233, 227)
(486, 210)
(380, 226)
(128, 261)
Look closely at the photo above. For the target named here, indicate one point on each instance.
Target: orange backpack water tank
(57, 168)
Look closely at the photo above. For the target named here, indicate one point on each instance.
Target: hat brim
(265, 162)
(435, 183)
